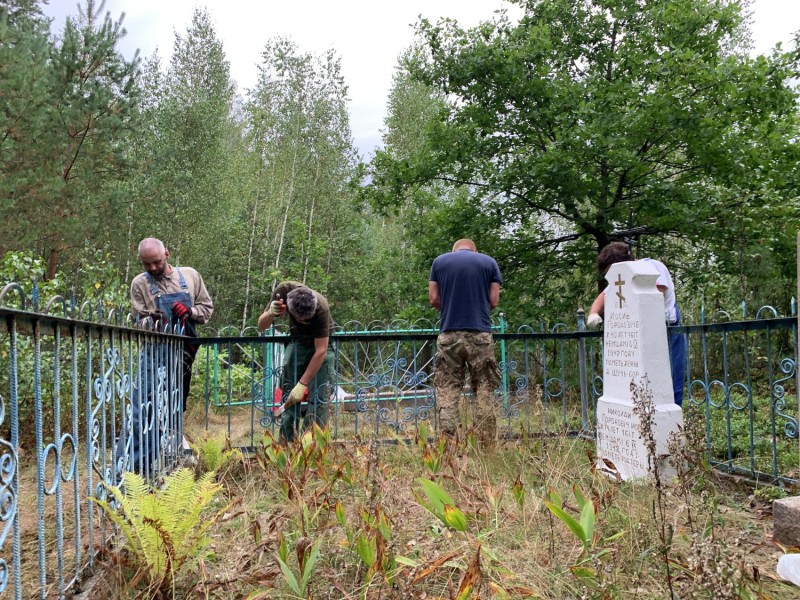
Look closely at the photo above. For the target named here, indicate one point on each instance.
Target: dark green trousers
(320, 389)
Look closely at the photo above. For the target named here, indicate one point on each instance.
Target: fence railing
(70, 390)
(741, 381)
(73, 382)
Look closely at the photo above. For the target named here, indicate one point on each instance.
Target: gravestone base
(621, 450)
(786, 517)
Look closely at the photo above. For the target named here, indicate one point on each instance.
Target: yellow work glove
(298, 393)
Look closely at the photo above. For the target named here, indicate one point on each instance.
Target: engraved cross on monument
(634, 351)
(620, 296)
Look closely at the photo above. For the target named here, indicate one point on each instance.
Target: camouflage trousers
(456, 352)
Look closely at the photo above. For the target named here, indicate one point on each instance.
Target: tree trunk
(310, 223)
(52, 263)
(288, 202)
(250, 245)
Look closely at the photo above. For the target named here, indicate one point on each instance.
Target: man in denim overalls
(162, 297)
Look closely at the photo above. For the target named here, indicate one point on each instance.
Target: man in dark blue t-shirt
(465, 286)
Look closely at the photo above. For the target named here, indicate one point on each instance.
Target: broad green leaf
(310, 562)
(614, 537)
(436, 494)
(568, 520)
(340, 515)
(579, 497)
(283, 547)
(407, 561)
(367, 550)
(385, 527)
(587, 576)
(454, 518)
(588, 520)
(291, 580)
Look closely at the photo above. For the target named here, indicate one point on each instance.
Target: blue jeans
(677, 358)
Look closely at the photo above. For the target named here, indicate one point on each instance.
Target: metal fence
(741, 383)
(72, 383)
(74, 380)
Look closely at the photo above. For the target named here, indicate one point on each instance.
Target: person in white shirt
(620, 252)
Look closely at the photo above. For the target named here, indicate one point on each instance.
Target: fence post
(796, 330)
(504, 372)
(582, 372)
(269, 367)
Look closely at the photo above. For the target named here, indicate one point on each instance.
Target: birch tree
(300, 138)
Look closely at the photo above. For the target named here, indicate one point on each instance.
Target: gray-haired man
(307, 359)
(167, 294)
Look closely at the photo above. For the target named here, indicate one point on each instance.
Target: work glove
(594, 320)
(180, 311)
(296, 395)
(276, 307)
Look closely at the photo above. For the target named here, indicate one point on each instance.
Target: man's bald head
(151, 245)
(154, 255)
(465, 244)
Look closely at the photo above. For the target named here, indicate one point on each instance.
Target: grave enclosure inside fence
(71, 379)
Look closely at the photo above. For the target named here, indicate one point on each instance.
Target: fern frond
(164, 528)
(120, 520)
(186, 506)
(196, 540)
(135, 486)
(176, 499)
(178, 491)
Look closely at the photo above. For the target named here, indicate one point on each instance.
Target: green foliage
(434, 453)
(770, 493)
(96, 281)
(441, 505)
(745, 438)
(25, 100)
(93, 98)
(566, 129)
(585, 529)
(222, 373)
(297, 208)
(24, 268)
(164, 528)
(299, 585)
(371, 543)
(184, 149)
(367, 550)
(518, 491)
(656, 114)
(215, 454)
(310, 453)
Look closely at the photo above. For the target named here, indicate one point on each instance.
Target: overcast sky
(368, 35)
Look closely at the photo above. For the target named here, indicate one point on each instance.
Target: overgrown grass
(752, 435)
(438, 519)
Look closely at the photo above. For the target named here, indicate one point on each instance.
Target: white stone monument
(634, 352)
